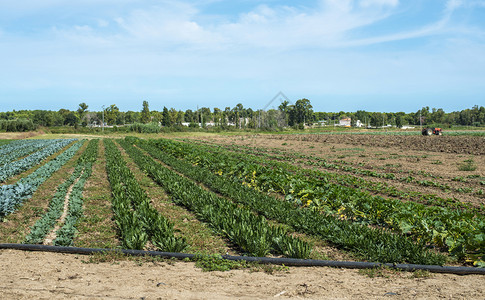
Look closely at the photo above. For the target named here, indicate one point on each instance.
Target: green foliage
(145, 128)
(12, 195)
(252, 233)
(145, 113)
(46, 223)
(444, 226)
(209, 263)
(17, 125)
(366, 242)
(467, 165)
(136, 219)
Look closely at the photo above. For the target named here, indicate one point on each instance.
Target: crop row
(136, 219)
(460, 231)
(353, 181)
(341, 165)
(44, 225)
(368, 243)
(15, 167)
(20, 148)
(251, 232)
(12, 195)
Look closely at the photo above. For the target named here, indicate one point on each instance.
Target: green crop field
(261, 195)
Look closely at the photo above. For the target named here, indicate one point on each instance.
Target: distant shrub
(145, 128)
(17, 125)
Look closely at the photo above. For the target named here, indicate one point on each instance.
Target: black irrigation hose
(264, 260)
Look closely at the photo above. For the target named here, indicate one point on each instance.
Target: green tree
(399, 121)
(111, 114)
(71, 119)
(145, 113)
(83, 107)
(132, 117)
(165, 117)
(301, 113)
(173, 116)
(180, 117)
(190, 116)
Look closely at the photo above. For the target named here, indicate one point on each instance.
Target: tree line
(296, 115)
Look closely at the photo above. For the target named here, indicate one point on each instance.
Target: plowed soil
(447, 144)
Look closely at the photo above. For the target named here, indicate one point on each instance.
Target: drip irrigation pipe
(264, 260)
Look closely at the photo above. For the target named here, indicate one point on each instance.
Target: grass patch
(420, 274)
(4, 142)
(210, 263)
(467, 165)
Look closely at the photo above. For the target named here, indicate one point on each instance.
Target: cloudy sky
(342, 55)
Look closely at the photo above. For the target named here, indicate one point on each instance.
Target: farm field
(393, 199)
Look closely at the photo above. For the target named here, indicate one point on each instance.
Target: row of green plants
(354, 181)
(12, 195)
(18, 166)
(19, 148)
(137, 220)
(5, 142)
(250, 232)
(462, 232)
(347, 167)
(365, 242)
(47, 222)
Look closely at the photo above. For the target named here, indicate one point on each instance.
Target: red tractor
(431, 130)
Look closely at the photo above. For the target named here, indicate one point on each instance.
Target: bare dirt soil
(39, 275)
(448, 144)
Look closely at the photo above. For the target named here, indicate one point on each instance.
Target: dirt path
(53, 234)
(37, 275)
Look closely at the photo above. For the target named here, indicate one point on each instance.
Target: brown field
(27, 275)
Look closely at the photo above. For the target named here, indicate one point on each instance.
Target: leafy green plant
(12, 195)
(137, 220)
(363, 240)
(77, 179)
(252, 233)
(467, 165)
(438, 222)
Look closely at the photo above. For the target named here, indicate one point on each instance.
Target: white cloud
(166, 24)
(367, 3)
(451, 5)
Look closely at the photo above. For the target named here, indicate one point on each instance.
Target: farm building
(345, 122)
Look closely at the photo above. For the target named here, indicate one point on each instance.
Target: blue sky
(343, 55)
